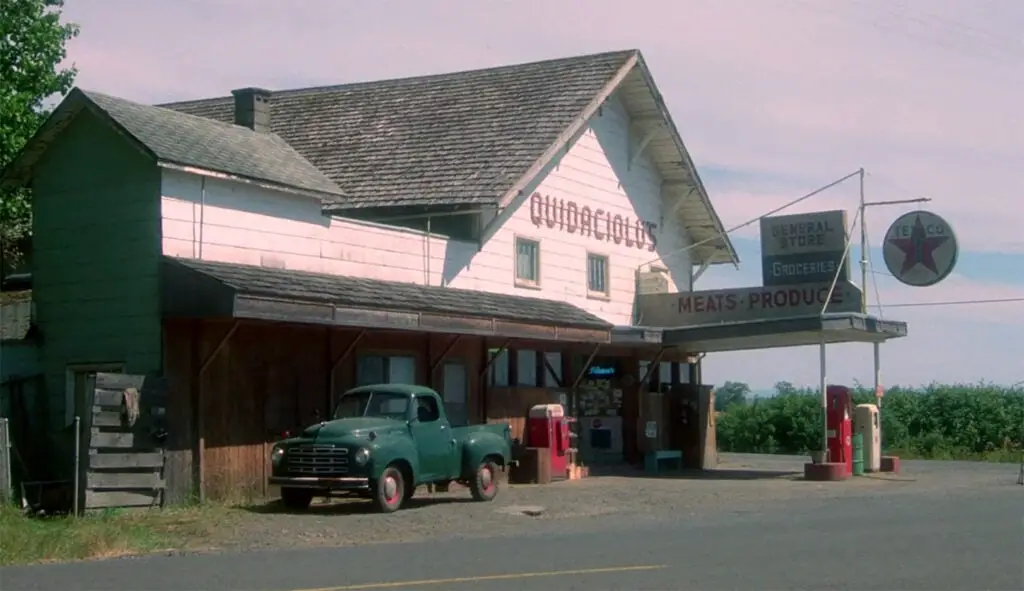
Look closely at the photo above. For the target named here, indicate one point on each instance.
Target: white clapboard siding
(238, 223)
(220, 220)
(593, 172)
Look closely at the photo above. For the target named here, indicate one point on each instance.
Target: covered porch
(253, 352)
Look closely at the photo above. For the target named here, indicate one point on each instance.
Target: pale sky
(773, 98)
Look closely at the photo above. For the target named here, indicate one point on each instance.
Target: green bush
(940, 421)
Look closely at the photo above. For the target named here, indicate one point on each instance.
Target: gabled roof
(477, 137)
(175, 138)
(461, 138)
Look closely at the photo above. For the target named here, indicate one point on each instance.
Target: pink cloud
(924, 94)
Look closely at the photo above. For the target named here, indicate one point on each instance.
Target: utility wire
(871, 269)
(958, 303)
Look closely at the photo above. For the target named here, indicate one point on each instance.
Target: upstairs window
(597, 275)
(527, 262)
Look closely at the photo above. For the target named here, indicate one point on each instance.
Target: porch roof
(205, 289)
(794, 331)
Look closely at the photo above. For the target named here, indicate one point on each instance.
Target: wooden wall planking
(268, 378)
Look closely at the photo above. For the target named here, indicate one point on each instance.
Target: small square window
(597, 274)
(527, 261)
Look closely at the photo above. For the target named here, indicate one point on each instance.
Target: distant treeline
(938, 422)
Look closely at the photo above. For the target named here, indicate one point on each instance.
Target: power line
(956, 303)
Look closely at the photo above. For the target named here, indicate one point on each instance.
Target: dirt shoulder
(740, 484)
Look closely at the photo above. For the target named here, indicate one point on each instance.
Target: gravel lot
(742, 484)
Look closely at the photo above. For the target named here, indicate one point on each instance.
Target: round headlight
(277, 453)
(362, 456)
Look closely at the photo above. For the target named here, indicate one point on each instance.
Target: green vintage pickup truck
(383, 441)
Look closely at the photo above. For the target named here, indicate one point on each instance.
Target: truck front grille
(317, 460)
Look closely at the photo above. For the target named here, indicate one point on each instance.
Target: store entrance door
(599, 410)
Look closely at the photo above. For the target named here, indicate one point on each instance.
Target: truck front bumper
(313, 482)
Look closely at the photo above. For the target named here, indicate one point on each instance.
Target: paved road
(935, 538)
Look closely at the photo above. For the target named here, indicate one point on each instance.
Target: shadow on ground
(346, 506)
(669, 473)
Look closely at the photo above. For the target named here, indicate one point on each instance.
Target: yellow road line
(482, 578)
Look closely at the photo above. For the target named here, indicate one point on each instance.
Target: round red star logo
(919, 248)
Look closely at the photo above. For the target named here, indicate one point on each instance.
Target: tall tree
(33, 41)
(731, 393)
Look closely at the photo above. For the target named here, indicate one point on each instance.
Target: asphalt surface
(936, 538)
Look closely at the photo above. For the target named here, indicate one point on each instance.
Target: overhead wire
(958, 302)
(871, 268)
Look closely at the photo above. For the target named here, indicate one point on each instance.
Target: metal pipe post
(78, 460)
(863, 250)
(824, 400)
(878, 387)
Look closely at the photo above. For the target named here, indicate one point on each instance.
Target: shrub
(938, 421)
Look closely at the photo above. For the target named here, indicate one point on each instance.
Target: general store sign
(804, 248)
(568, 216)
(746, 304)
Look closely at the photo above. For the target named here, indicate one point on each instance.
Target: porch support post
(337, 362)
(491, 358)
(488, 361)
(551, 371)
(434, 364)
(200, 455)
(586, 366)
(652, 367)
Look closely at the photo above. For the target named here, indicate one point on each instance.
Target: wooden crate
(124, 463)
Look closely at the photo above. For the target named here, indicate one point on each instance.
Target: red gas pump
(547, 428)
(839, 426)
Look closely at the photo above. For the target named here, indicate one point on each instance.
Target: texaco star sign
(920, 249)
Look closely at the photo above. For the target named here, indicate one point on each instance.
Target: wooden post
(488, 361)
(200, 469)
(337, 362)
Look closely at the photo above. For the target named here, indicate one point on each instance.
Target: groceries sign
(568, 216)
(804, 248)
(746, 304)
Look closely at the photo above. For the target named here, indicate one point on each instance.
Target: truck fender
(388, 452)
(483, 445)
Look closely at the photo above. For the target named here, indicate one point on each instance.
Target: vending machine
(548, 428)
(839, 428)
(865, 422)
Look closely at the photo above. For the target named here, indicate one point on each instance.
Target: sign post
(879, 389)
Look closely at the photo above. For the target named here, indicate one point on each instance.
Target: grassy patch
(25, 540)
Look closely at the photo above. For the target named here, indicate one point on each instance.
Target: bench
(653, 459)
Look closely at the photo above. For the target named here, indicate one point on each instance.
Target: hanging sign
(920, 249)
(804, 248)
(746, 304)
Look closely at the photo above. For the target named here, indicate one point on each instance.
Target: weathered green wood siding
(96, 256)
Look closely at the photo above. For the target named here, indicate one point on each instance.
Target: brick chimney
(252, 108)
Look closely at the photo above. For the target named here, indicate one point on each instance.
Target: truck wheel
(389, 490)
(484, 485)
(296, 499)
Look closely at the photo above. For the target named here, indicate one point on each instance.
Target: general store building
(486, 233)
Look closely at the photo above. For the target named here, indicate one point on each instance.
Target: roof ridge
(89, 94)
(421, 78)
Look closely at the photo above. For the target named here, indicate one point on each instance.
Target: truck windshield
(387, 405)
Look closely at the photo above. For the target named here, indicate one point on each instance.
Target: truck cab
(383, 441)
